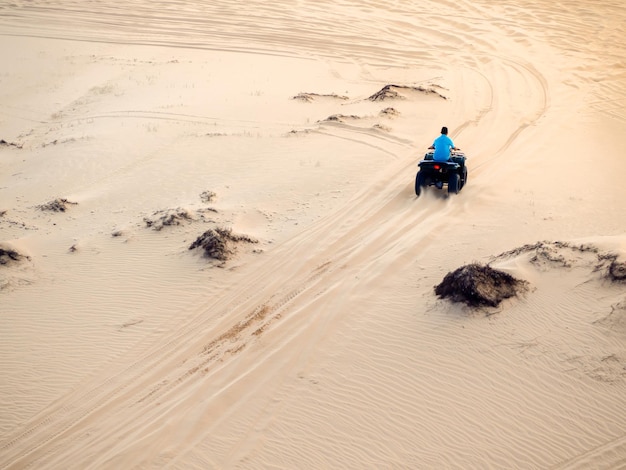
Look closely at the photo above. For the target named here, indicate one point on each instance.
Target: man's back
(442, 145)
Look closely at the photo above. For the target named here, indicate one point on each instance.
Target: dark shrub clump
(58, 205)
(479, 285)
(8, 256)
(617, 271)
(219, 243)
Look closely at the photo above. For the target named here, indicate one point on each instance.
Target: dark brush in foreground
(479, 286)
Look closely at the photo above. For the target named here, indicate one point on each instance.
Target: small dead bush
(308, 97)
(4, 143)
(58, 205)
(390, 92)
(8, 256)
(341, 117)
(479, 285)
(385, 93)
(617, 271)
(390, 112)
(171, 217)
(220, 243)
(162, 219)
(207, 196)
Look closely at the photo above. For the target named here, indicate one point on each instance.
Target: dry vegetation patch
(617, 271)
(171, 217)
(161, 219)
(389, 112)
(8, 256)
(391, 92)
(341, 117)
(308, 97)
(479, 285)
(4, 143)
(207, 196)
(220, 243)
(57, 205)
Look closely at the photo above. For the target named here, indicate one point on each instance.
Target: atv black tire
(420, 182)
(464, 178)
(454, 183)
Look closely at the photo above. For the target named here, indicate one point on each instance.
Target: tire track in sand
(160, 372)
(81, 407)
(372, 225)
(342, 242)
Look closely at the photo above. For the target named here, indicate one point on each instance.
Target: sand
(130, 129)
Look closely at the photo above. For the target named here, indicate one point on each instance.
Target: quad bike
(433, 173)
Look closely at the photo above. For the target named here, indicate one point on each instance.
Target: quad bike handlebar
(453, 148)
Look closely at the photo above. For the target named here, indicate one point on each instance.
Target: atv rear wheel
(454, 183)
(464, 178)
(420, 182)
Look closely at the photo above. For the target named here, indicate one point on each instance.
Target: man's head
(444, 130)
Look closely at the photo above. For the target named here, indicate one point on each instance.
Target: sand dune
(130, 130)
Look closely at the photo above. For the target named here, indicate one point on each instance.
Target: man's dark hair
(444, 130)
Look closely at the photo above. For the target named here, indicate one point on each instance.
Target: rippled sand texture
(128, 129)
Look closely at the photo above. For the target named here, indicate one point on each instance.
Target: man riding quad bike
(435, 173)
(444, 165)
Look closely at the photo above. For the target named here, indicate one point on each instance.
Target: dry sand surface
(130, 130)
